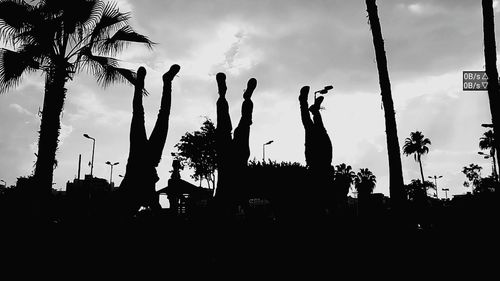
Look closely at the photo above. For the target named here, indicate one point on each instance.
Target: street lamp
(93, 149)
(111, 174)
(323, 91)
(435, 182)
(445, 192)
(264, 150)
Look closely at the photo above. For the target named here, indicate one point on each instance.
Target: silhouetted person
(318, 153)
(138, 185)
(232, 153)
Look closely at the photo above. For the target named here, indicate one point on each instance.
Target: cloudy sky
(285, 45)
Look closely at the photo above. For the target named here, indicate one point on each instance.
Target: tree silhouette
(416, 144)
(487, 141)
(396, 183)
(414, 189)
(473, 175)
(490, 57)
(365, 181)
(61, 38)
(197, 149)
(344, 177)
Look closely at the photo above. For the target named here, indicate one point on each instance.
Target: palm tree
(344, 177)
(473, 174)
(396, 183)
(490, 57)
(487, 141)
(416, 144)
(365, 181)
(61, 38)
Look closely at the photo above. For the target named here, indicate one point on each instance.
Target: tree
(416, 144)
(490, 58)
(415, 189)
(197, 149)
(365, 181)
(487, 141)
(396, 183)
(61, 38)
(473, 174)
(344, 177)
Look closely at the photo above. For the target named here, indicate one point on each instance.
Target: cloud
(89, 106)
(65, 132)
(285, 44)
(21, 109)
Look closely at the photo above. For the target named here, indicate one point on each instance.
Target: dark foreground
(168, 246)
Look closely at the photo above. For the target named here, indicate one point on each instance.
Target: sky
(284, 44)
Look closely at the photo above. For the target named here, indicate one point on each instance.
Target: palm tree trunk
(396, 185)
(495, 174)
(422, 174)
(55, 94)
(490, 57)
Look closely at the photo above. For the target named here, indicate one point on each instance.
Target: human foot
(221, 83)
(141, 74)
(317, 105)
(169, 75)
(304, 93)
(252, 83)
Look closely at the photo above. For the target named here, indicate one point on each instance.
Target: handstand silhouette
(232, 153)
(138, 185)
(318, 150)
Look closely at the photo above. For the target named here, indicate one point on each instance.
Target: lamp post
(93, 149)
(445, 192)
(111, 174)
(435, 182)
(264, 150)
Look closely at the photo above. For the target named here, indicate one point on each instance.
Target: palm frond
(124, 36)
(14, 15)
(76, 13)
(41, 31)
(110, 20)
(107, 72)
(12, 66)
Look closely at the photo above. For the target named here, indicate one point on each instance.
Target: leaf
(121, 39)
(12, 66)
